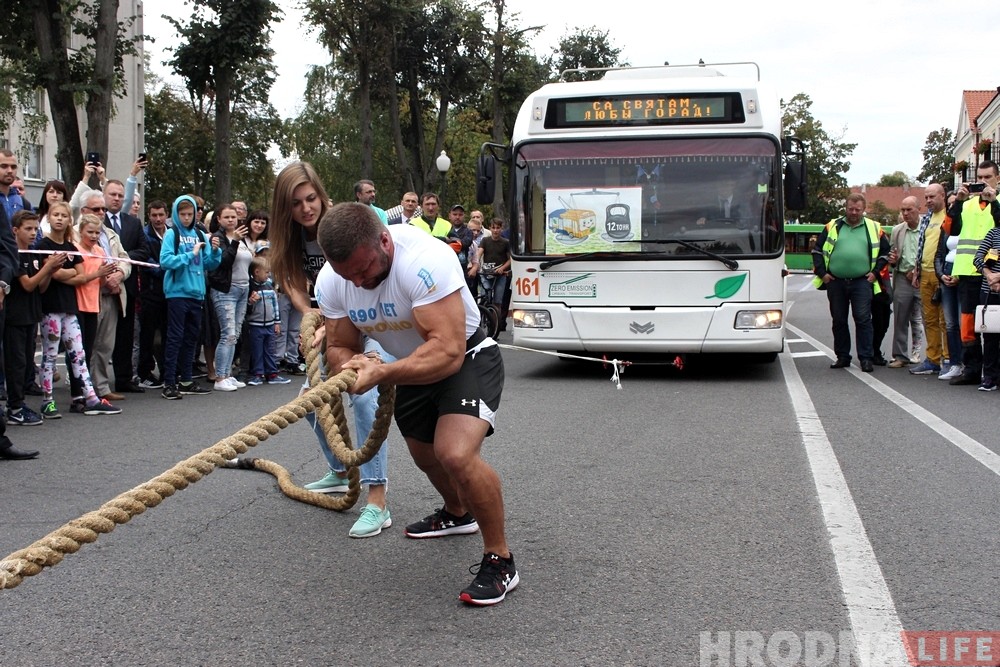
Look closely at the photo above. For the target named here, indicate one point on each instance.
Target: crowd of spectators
(159, 304)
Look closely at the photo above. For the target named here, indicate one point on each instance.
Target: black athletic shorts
(474, 390)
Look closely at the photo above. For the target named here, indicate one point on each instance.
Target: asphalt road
(702, 516)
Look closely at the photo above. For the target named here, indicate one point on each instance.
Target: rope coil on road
(324, 399)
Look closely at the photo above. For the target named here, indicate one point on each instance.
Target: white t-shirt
(424, 270)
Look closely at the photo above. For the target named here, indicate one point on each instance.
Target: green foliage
(429, 66)
(35, 54)
(878, 211)
(225, 52)
(179, 143)
(826, 160)
(938, 158)
(223, 36)
(589, 47)
(896, 179)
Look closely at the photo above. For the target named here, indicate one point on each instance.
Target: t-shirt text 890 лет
(423, 271)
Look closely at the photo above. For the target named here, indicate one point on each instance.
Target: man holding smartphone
(973, 214)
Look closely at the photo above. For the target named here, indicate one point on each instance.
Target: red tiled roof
(891, 197)
(975, 102)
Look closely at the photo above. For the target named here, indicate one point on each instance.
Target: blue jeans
(952, 321)
(261, 350)
(230, 309)
(374, 471)
(286, 344)
(854, 294)
(497, 283)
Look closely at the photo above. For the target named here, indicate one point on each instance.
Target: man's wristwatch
(5, 287)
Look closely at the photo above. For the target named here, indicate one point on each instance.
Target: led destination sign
(646, 109)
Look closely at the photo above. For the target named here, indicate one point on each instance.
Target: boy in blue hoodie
(186, 256)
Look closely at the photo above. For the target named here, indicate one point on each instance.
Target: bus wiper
(730, 264)
(570, 258)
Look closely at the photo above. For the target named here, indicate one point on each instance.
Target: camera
(975, 187)
(93, 158)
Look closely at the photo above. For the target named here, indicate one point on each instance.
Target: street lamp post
(443, 163)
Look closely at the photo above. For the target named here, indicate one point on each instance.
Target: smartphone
(975, 187)
(143, 158)
(93, 158)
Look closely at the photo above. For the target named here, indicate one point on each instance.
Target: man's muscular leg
(464, 480)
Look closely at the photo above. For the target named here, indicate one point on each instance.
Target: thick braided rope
(330, 416)
(51, 549)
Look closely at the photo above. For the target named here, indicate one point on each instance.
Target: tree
(180, 133)
(878, 211)
(513, 72)
(585, 48)
(826, 160)
(360, 37)
(179, 141)
(35, 53)
(896, 179)
(225, 49)
(938, 158)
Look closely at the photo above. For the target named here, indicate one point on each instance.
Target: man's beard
(380, 278)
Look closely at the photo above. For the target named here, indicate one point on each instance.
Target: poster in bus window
(582, 220)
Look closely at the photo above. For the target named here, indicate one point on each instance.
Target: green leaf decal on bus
(727, 287)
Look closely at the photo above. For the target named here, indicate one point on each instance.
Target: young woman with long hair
(298, 204)
(230, 285)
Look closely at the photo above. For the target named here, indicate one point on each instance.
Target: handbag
(987, 319)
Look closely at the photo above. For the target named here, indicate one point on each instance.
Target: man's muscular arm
(442, 326)
(343, 342)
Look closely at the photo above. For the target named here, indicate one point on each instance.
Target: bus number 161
(527, 287)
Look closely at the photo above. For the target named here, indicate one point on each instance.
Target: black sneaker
(965, 379)
(442, 523)
(23, 416)
(152, 382)
(170, 392)
(192, 389)
(495, 577)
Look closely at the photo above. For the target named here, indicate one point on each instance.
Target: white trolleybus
(647, 212)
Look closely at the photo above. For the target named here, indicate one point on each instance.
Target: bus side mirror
(486, 169)
(795, 185)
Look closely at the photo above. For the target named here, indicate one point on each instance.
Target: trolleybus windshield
(715, 193)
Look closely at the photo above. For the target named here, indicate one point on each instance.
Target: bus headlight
(758, 319)
(532, 319)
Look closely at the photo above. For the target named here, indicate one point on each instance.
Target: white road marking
(874, 620)
(969, 445)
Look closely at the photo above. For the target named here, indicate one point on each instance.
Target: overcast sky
(882, 74)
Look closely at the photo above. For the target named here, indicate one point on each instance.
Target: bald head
(934, 197)
(910, 209)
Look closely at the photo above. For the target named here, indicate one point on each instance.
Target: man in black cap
(461, 231)
(8, 271)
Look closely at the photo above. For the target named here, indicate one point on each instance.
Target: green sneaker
(50, 411)
(371, 522)
(331, 483)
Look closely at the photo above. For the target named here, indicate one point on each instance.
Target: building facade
(37, 161)
(978, 132)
